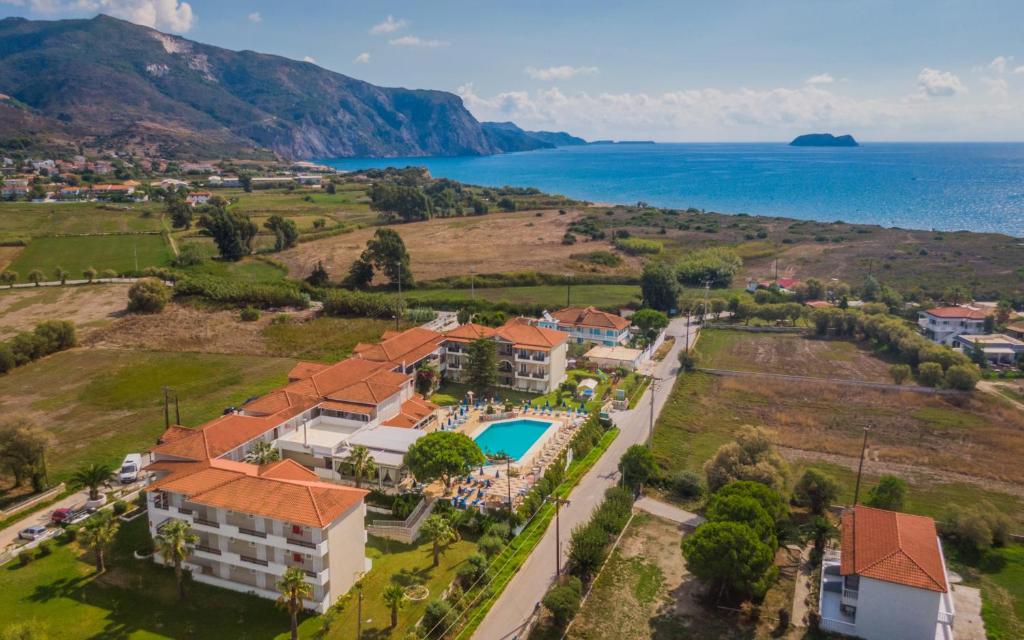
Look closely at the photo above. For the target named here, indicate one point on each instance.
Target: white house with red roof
(588, 324)
(945, 324)
(888, 580)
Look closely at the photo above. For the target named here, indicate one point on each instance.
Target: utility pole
(167, 413)
(704, 311)
(558, 532)
(359, 610)
(860, 467)
(568, 290)
(650, 427)
(472, 283)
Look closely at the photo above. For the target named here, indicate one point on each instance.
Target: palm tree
(394, 599)
(440, 532)
(362, 463)
(175, 543)
(36, 276)
(263, 452)
(294, 589)
(97, 533)
(92, 477)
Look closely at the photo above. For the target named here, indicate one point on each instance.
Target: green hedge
(259, 295)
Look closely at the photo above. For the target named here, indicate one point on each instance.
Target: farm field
(495, 243)
(29, 219)
(551, 296)
(646, 592)
(949, 454)
(792, 354)
(88, 306)
(348, 204)
(75, 254)
(98, 404)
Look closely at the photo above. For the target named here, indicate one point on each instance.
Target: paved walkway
(804, 586)
(669, 512)
(514, 608)
(967, 625)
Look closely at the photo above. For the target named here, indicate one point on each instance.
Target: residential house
(998, 349)
(198, 167)
(615, 357)
(272, 182)
(1016, 330)
(172, 184)
(254, 522)
(101, 167)
(409, 349)
(888, 580)
(197, 198)
(530, 358)
(944, 324)
(308, 179)
(224, 181)
(587, 324)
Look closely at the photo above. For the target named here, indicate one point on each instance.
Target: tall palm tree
(263, 452)
(175, 543)
(394, 599)
(294, 589)
(92, 477)
(362, 463)
(97, 534)
(439, 531)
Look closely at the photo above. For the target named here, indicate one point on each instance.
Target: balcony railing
(203, 547)
(251, 560)
(186, 511)
(837, 626)
(850, 596)
(301, 543)
(311, 574)
(946, 618)
(252, 532)
(204, 521)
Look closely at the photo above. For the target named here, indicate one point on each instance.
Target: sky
(730, 70)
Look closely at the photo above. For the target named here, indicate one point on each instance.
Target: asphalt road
(512, 612)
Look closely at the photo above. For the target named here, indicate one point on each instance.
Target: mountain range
(108, 83)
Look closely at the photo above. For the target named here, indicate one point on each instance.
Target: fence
(403, 530)
(33, 501)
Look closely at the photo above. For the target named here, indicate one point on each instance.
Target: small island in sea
(823, 140)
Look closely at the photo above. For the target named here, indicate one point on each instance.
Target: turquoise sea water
(948, 186)
(514, 437)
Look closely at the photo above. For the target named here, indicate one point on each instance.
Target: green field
(75, 254)
(325, 339)
(29, 219)
(101, 404)
(553, 296)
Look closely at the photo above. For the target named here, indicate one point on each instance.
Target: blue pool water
(514, 437)
(948, 186)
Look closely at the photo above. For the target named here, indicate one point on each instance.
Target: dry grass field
(88, 306)
(495, 243)
(793, 354)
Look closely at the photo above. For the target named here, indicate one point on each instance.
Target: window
(296, 529)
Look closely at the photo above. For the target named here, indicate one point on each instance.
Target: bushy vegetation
(638, 246)
(148, 295)
(751, 456)
(341, 302)
(49, 336)
(236, 292)
(717, 265)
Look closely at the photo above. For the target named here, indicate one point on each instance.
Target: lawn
(325, 339)
(30, 219)
(821, 425)
(789, 353)
(402, 564)
(75, 254)
(100, 404)
(134, 599)
(349, 204)
(551, 296)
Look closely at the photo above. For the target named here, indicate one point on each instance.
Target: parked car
(66, 515)
(32, 533)
(60, 515)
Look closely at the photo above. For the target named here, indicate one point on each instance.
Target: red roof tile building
(588, 324)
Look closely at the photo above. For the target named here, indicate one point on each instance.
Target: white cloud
(166, 15)
(309, 59)
(416, 41)
(563, 72)
(821, 78)
(999, 63)
(363, 58)
(935, 83)
(998, 87)
(255, 17)
(389, 25)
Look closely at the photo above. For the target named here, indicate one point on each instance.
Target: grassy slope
(75, 254)
(100, 404)
(554, 296)
(26, 219)
(326, 339)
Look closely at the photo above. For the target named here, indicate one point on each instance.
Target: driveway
(514, 608)
(669, 512)
(9, 535)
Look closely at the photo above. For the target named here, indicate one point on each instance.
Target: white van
(130, 468)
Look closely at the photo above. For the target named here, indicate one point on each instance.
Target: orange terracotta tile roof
(175, 432)
(288, 469)
(315, 504)
(469, 332)
(818, 304)
(322, 384)
(958, 312)
(303, 370)
(351, 407)
(413, 410)
(408, 346)
(277, 402)
(892, 547)
(522, 334)
(590, 317)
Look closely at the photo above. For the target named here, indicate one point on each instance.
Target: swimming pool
(514, 437)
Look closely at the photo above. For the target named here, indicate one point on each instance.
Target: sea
(942, 186)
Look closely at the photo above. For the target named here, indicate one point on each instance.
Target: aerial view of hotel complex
(566, 327)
